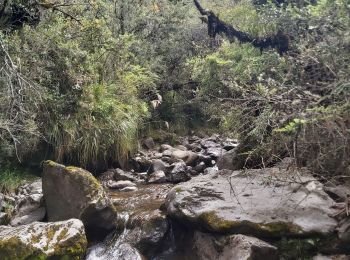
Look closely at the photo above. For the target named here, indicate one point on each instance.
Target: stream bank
(175, 203)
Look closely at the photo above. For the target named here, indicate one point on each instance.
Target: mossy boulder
(72, 192)
(270, 202)
(58, 240)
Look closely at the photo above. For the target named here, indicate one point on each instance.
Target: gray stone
(215, 152)
(35, 215)
(121, 175)
(157, 177)
(179, 173)
(211, 170)
(149, 143)
(234, 247)
(167, 153)
(261, 203)
(120, 184)
(129, 189)
(159, 165)
(64, 239)
(189, 157)
(344, 231)
(72, 192)
(200, 167)
(227, 161)
(165, 147)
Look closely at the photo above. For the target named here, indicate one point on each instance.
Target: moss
(211, 221)
(178, 189)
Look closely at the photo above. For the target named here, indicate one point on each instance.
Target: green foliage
(11, 178)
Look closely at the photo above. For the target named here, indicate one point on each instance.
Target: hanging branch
(279, 41)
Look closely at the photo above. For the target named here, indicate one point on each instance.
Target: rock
(200, 167)
(123, 251)
(4, 218)
(129, 189)
(227, 161)
(35, 215)
(261, 203)
(120, 184)
(179, 173)
(167, 153)
(331, 257)
(234, 247)
(157, 156)
(207, 143)
(29, 205)
(159, 165)
(229, 145)
(72, 192)
(61, 240)
(180, 147)
(189, 157)
(339, 192)
(121, 175)
(344, 231)
(141, 163)
(157, 177)
(147, 231)
(215, 152)
(106, 176)
(211, 170)
(165, 147)
(149, 143)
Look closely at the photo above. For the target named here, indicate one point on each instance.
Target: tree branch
(279, 41)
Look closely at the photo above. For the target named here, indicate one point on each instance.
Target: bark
(279, 41)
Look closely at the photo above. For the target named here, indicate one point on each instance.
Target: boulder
(179, 173)
(199, 168)
(227, 161)
(211, 170)
(234, 247)
(189, 157)
(157, 177)
(72, 192)
(58, 240)
(165, 147)
(121, 175)
(265, 203)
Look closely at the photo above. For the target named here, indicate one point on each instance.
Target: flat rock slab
(265, 203)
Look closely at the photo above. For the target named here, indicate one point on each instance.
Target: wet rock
(211, 170)
(61, 240)
(121, 175)
(149, 143)
(120, 251)
(179, 173)
(157, 177)
(261, 203)
(120, 184)
(234, 247)
(188, 157)
(35, 215)
(72, 192)
(129, 189)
